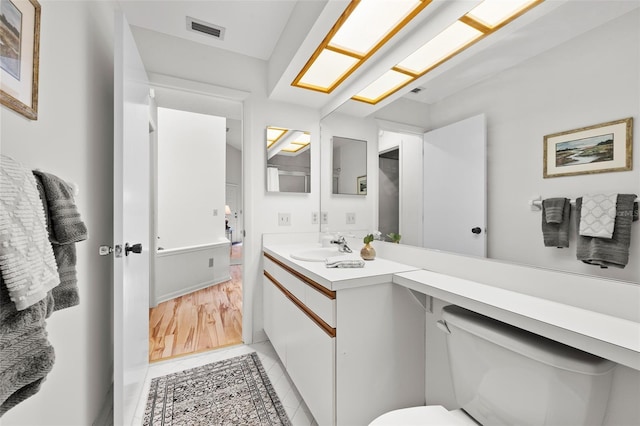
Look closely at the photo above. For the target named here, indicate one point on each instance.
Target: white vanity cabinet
(303, 340)
(352, 342)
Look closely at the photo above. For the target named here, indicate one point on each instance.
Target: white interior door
(130, 223)
(454, 214)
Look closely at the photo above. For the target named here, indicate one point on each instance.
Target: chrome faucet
(342, 244)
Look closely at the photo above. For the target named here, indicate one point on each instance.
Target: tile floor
(294, 405)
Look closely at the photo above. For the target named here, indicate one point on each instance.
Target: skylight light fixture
(446, 44)
(364, 27)
(494, 13)
(388, 83)
(285, 141)
(274, 134)
(484, 19)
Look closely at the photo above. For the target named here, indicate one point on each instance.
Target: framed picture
(605, 147)
(362, 185)
(19, 53)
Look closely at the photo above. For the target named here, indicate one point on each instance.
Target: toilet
(503, 375)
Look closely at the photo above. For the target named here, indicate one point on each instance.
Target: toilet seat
(424, 416)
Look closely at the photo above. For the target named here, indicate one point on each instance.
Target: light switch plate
(324, 218)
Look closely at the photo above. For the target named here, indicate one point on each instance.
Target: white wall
(592, 79)
(191, 178)
(234, 165)
(73, 138)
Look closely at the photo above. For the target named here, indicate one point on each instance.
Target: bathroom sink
(316, 254)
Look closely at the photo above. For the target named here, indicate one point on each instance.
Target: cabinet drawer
(313, 295)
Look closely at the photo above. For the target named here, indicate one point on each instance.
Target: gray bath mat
(235, 391)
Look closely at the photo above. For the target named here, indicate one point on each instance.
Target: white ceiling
(252, 27)
(255, 28)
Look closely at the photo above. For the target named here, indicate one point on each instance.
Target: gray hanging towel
(65, 229)
(556, 234)
(26, 356)
(553, 209)
(608, 252)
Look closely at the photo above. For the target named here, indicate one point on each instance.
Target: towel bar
(536, 203)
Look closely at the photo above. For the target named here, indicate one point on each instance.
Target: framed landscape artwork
(605, 147)
(19, 53)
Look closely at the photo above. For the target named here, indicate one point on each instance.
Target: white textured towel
(343, 262)
(26, 258)
(598, 215)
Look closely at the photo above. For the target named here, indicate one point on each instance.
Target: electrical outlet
(324, 218)
(211, 262)
(351, 218)
(284, 219)
(314, 218)
(215, 212)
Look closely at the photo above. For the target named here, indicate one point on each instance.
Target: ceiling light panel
(295, 147)
(274, 134)
(328, 68)
(362, 29)
(493, 13)
(441, 47)
(388, 83)
(483, 20)
(370, 22)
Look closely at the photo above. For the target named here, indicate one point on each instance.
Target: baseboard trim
(191, 289)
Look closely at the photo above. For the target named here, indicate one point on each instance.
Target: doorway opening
(197, 294)
(389, 192)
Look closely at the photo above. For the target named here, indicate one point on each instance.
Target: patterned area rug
(235, 391)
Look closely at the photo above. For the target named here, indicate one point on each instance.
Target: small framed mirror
(349, 166)
(288, 160)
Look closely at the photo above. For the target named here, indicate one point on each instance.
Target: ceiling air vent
(202, 27)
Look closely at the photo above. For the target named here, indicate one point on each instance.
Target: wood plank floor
(203, 320)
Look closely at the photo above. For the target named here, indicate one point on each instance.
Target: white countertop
(607, 336)
(375, 271)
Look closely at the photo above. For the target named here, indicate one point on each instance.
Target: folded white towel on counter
(598, 215)
(343, 262)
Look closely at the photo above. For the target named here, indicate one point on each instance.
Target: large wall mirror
(348, 166)
(288, 160)
(532, 97)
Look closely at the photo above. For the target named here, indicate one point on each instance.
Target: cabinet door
(311, 366)
(276, 324)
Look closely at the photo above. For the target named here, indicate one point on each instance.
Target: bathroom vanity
(360, 342)
(352, 341)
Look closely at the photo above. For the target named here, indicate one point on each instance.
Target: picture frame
(361, 185)
(601, 148)
(19, 56)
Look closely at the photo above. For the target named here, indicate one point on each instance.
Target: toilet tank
(503, 375)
